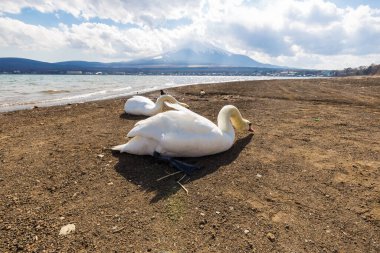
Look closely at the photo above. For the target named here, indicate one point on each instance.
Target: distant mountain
(199, 55)
(12, 64)
(194, 55)
(30, 66)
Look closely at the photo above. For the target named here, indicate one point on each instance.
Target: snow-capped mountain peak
(199, 54)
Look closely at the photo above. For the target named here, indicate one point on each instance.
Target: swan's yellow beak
(250, 127)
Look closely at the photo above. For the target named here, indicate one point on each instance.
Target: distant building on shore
(74, 72)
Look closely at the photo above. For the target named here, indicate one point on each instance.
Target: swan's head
(228, 115)
(241, 124)
(171, 99)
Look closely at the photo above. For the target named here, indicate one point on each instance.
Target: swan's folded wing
(138, 105)
(141, 100)
(179, 122)
(177, 107)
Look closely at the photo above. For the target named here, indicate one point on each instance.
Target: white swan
(184, 133)
(139, 105)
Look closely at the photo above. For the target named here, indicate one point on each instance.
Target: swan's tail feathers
(137, 146)
(119, 148)
(187, 168)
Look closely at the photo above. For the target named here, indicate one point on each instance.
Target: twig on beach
(183, 187)
(118, 230)
(175, 173)
(178, 181)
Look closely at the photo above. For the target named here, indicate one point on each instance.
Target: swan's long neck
(160, 103)
(227, 115)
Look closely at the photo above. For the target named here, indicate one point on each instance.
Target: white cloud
(28, 37)
(301, 33)
(142, 12)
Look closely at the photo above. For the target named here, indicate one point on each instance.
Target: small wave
(122, 89)
(54, 91)
(82, 96)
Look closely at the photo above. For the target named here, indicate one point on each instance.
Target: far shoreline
(32, 105)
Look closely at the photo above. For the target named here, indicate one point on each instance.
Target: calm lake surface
(26, 91)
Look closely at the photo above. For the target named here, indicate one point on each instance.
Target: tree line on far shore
(360, 71)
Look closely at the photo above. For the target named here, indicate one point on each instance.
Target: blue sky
(320, 34)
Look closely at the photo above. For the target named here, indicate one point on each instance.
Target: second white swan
(139, 105)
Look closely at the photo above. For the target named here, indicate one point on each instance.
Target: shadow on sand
(132, 117)
(145, 170)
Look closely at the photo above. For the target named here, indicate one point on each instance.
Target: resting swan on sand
(184, 133)
(139, 105)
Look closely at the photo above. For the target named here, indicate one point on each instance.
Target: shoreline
(48, 102)
(307, 180)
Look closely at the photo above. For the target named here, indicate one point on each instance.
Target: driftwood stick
(183, 187)
(175, 173)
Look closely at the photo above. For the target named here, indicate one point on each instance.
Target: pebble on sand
(271, 237)
(68, 229)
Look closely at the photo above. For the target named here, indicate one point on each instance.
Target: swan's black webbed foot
(186, 168)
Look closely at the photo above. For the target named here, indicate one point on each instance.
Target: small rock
(217, 212)
(68, 229)
(271, 237)
(203, 222)
(110, 183)
(259, 175)
(246, 231)
(202, 214)
(61, 218)
(100, 156)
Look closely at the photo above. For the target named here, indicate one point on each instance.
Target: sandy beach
(307, 180)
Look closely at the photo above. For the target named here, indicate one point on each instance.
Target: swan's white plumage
(139, 105)
(181, 133)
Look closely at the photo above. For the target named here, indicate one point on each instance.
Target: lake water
(26, 91)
